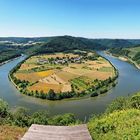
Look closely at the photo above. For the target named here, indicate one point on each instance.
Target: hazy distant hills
(23, 39)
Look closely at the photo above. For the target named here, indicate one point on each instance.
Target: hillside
(131, 53)
(120, 121)
(119, 125)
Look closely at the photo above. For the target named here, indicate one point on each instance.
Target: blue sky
(86, 18)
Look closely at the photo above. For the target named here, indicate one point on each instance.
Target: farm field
(64, 72)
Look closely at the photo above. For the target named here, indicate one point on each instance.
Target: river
(128, 83)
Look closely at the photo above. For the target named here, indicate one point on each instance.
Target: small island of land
(64, 75)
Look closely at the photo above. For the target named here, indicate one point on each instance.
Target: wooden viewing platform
(47, 132)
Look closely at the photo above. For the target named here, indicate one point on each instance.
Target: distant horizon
(67, 35)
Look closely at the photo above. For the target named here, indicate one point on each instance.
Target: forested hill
(13, 46)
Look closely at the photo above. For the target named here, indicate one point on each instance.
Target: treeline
(21, 117)
(103, 86)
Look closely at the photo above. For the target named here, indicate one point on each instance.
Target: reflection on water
(128, 83)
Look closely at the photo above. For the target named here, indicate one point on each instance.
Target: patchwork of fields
(64, 72)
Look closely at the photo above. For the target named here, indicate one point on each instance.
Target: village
(61, 60)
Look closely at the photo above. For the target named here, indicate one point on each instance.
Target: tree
(51, 95)
(94, 94)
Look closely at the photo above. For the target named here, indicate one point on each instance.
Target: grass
(11, 132)
(106, 69)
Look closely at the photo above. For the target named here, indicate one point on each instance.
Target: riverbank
(7, 61)
(125, 59)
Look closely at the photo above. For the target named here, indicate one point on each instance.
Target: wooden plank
(46, 132)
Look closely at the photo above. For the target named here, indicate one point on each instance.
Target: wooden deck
(46, 132)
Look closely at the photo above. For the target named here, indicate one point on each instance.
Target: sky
(84, 18)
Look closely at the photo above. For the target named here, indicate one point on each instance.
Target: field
(64, 72)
